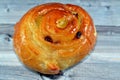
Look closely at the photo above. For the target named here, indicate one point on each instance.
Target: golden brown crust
(54, 36)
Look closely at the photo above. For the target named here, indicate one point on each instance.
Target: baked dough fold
(53, 37)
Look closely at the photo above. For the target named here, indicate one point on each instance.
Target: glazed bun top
(53, 37)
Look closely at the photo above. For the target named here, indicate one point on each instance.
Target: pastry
(53, 37)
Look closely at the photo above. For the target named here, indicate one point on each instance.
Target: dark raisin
(49, 39)
(75, 14)
(78, 34)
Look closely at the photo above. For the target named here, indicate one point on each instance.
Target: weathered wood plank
(17, 73)
(5, 42)
(101, 29)
(81, 2)
(103, 12)
(7, 29)
(101, 64)
(110, 35)
(106, 50)
(82, 71)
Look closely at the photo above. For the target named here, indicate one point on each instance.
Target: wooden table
(103, 63)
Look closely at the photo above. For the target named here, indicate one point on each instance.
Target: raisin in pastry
(52, 37)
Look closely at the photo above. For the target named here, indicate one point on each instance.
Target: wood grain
(82, 71)
(103, 12)
(17, 73)
(103, 63)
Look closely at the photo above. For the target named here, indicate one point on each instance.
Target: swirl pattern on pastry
(53, 37)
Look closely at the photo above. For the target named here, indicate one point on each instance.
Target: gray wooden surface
(104, 12)
(102, 64)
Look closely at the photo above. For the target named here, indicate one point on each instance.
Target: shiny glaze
(65, 50)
